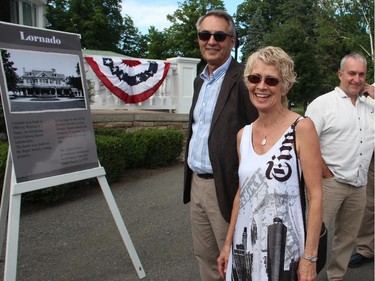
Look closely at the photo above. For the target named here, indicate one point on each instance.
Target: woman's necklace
(264, 140)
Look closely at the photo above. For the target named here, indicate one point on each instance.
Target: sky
(148, 13)
(32, 60)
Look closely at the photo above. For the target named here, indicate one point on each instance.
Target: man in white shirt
(344, 122)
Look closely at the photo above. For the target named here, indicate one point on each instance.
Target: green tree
(98, 21)
(57, 15)
(294, 32)
(251, 33)
(132, 41)
(75, 81)
(344, 27)
(289, 25)
(317, 34)
(11, 76)
(255, 19)
(156, 47)
(293, 38)
(12, 79)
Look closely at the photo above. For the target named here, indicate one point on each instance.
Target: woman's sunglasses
(270, 81)
(218, 36)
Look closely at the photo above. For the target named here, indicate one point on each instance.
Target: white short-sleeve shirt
(346, 134)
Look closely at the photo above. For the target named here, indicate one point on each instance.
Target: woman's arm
(222, 260)
(308, 149)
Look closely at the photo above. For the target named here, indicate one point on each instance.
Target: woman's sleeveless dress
(269, 235)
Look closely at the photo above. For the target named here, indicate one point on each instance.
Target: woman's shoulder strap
(298, 119)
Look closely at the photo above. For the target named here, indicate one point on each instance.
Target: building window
(23, 12)
(29, 13)
(14, 11)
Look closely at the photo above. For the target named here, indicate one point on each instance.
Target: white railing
(174, 95)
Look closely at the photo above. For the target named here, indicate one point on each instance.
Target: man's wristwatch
(310, 258)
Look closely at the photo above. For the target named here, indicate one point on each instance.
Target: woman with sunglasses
(266, 238)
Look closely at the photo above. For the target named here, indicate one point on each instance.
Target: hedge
(117, 152)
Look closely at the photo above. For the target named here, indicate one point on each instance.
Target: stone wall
(138, 120)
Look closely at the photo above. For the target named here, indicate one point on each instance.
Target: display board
(45, 101)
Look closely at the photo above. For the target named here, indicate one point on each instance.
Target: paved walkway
(78, 240)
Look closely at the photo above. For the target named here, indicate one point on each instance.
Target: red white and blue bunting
(131, 80)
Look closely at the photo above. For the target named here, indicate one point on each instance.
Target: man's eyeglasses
(270, 81)
(218, 36)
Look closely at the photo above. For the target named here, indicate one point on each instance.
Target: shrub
(111, 155)
(117, 151)
(149, 148)
(3, 159)
(48, 195)
(163, 147)
(136, 151)
(109, 132)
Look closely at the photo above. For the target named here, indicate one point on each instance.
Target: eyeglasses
(270, 81)
(218, 36)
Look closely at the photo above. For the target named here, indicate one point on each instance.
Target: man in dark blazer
(220, 108)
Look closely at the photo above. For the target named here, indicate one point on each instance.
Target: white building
(25, 12)
(43, 82)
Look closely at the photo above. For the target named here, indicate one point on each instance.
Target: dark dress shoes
(357, 260)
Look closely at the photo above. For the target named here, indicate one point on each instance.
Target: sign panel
(45, 102)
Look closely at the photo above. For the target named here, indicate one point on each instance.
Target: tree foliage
(156, 44)
(12, 77)
(133, 43)
(317, 34)
(342, 28)
(99, 22)
(253, 27)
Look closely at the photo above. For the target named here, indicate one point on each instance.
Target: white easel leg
(10, 267)
(121, 226)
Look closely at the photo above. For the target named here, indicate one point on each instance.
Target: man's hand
(368, 90)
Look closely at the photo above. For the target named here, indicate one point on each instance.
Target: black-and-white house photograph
(42, 81)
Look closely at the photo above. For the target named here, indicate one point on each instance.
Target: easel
(11, 206)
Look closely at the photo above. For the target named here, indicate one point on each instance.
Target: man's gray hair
(354, 56)
(221, 14)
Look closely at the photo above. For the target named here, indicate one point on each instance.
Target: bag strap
(301, 180)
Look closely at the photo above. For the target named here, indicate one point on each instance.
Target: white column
(182, 86)
(40, 14)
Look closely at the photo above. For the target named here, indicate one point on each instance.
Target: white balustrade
(175, 93)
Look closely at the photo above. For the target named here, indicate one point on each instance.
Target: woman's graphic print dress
(269, 235)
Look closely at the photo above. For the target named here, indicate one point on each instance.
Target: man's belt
(206, 176)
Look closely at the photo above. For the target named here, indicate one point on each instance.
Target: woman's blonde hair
(277, 57)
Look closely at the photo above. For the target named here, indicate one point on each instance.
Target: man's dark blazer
(232, 112)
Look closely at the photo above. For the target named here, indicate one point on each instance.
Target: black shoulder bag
(322, 249)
